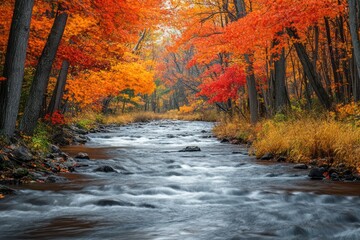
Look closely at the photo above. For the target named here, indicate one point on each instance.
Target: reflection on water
(64, 227)
(157, 192)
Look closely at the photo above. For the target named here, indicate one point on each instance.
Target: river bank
(328, 148)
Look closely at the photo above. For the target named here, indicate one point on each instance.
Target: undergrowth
(299, 137)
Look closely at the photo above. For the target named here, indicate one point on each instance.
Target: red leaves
(55, 119)
(226, 85)
(2, 79)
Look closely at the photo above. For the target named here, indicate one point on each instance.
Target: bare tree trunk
(310, 71)
(251, 86)
(10, 89)
(42, 74)
(337, 77)
(353, 4)
(281, 96)
(59, 88)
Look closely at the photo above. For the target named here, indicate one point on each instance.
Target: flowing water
(161, 193)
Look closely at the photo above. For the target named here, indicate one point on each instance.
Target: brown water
(160, 193)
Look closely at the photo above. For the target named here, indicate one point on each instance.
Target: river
(160, 193)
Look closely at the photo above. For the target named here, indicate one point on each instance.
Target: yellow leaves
(78, 24)
(90, 87)
(2, 196)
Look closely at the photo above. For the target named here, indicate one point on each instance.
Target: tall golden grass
(305, 139)
(300, 140)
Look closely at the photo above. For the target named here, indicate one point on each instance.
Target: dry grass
(301, 140)
(235, 128)
(306, 139)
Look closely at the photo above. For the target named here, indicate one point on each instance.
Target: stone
(349, 177)
(82, 155)
(281, 159)
(80, 139)
(63, 155)
(61, 139)
(334, 176)
(79, 130)
(301, 166)
(70, 162)
(20, 172)
(55, 149)
(267, 156)
(22, 153)
(224, 140)
(191, 149)
(50, 155)
(56, 179)
(104, 168)
(316, 173)
(6, 190)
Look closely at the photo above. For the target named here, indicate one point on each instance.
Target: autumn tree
(42, 74)
(10, 87)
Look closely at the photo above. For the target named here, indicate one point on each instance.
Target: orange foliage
(98, 37)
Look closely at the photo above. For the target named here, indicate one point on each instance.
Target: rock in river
(267, 156)
(104, 168)
(82, 155)
(316, 173)
(301, 166)
(56, 179)
(191, 149)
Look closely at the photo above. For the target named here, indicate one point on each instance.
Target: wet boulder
(78, 130)
(267, 156)
(191, 149)
(301, 166)
(22, 153)
(20, 172)
(104, 168)
(56, 179)
(224, 140)
(334, 176)
(82, 155)
(281, 159)
(317, 173)
(80, 139)
(6, 190)
(54, 149)
(63, 138)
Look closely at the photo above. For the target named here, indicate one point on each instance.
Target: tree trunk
(10, 89)
(250, 77)
(337, 77)
(281, 97)
(356, 45)
(42, 74)
(251, 85)
(310, 71)
(59, 88)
